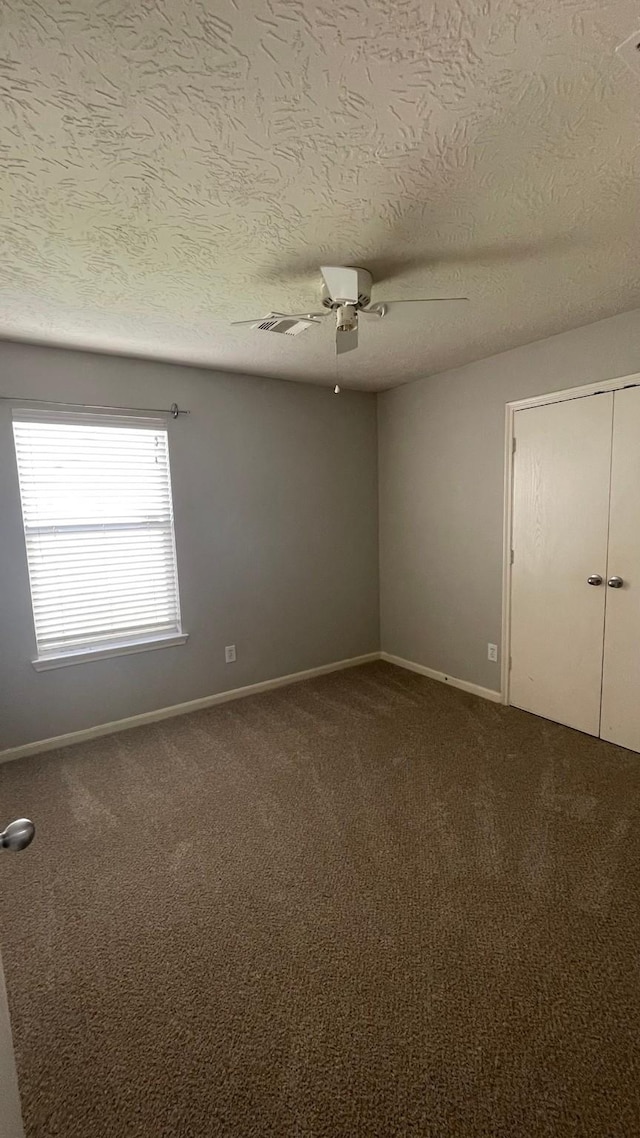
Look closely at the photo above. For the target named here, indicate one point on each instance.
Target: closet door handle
(595, 579)
(615, 582)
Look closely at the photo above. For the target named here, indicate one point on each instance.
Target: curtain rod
(173, 410)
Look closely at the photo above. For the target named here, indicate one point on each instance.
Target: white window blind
(98, 523)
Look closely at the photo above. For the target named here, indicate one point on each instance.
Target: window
(98, 524)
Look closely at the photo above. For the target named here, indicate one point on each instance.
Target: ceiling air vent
(287, 325)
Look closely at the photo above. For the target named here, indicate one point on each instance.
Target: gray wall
(441, 471)
(275, 493)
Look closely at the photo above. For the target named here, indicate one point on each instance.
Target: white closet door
(621, 675)
(560, 521)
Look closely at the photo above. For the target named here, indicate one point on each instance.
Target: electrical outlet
(492, 652)
(230, 654)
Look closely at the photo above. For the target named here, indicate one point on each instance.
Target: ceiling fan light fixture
(346, 318)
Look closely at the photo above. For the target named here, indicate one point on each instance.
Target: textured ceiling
(171, 165)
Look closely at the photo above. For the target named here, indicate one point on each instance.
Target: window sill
(65, 660)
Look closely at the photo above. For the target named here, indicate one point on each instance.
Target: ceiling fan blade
(306, 315)
(312, 317)
(346, 341)
(258, 320)
(413, 300)
(341, 283)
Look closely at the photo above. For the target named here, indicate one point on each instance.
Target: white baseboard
(179, 709)
(464, 685)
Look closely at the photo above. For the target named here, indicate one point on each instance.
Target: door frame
(582, 392)
(11, 1118)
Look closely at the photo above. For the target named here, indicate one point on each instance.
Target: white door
(621, 673)
(559, 540)
(10, 1114)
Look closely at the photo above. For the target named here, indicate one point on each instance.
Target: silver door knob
(615, 582)
(595, 579)
(18, 835)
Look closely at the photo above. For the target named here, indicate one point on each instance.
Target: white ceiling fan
(347, 293)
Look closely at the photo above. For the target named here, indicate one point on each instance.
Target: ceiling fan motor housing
(354, 283)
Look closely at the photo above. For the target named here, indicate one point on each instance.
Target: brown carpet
(367, 905)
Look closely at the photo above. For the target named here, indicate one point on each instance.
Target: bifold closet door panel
(621, 673)
(560, 522)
